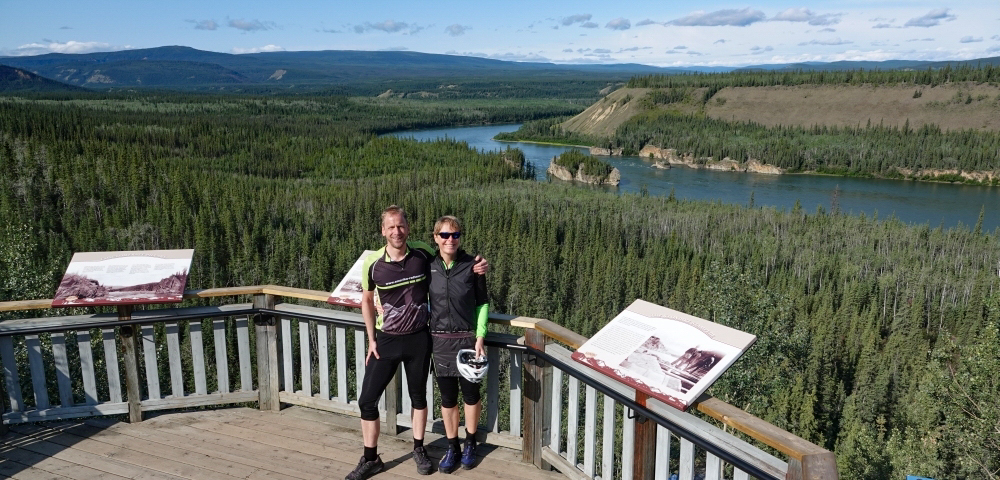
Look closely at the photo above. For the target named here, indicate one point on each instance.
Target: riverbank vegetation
(876, 339)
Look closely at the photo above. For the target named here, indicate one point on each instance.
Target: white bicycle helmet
(471, 367)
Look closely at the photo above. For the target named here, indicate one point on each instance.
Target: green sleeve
(421, 245)
(482, 319)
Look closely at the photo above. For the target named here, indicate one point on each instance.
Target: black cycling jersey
(400, 287)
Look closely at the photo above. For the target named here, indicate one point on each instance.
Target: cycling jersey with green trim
(400, 287)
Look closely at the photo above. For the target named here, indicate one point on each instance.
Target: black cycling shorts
(414, 352)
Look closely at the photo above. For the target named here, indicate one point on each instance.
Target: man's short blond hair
(394, 210)
(449, 220)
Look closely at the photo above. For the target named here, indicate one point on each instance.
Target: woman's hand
(480, 347)
(372, 350)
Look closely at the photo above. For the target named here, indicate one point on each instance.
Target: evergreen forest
(876, 339)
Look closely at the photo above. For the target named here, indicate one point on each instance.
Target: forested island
(876, 339)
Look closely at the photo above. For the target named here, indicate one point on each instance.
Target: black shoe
(366, 469)
(424, 465)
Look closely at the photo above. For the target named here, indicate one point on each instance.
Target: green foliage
(930, 77)
(547, 130)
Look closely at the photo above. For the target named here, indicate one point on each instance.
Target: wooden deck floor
(236, 443)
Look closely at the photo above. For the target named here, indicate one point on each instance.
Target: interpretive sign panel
(348, 291)
(124, 278)
(672, 356)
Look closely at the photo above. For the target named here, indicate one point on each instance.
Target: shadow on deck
(296, 443)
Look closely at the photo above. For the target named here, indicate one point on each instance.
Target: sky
(660, 33)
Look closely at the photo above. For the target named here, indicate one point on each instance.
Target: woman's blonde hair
(449, 220)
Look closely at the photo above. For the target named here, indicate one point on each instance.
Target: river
(912, 202)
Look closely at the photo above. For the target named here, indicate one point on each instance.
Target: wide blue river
(912, 202)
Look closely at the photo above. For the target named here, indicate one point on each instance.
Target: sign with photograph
(348, 291)
(124, 278)
(672, 356)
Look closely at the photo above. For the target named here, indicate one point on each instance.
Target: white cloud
(590, 25)
(995, 37)
(643, 23)
(883, 25)
(204, 24)
(680, 47)
(718, 18)
(71, 46)
(389, 26)
(65, 28)
(601, 50)
(806, 15)
(619, 24)
(757, 50)
(970, 39)
(721, 40)
(932, 18)
(835, 41)
(251, 25)
(265, 48)
(920, 40)
(456, 29)
(993, 49)
(578, 18)
(567, 50)
(395, 49)
(828, 29)
(694, 53)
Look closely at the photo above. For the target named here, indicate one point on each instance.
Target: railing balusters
(341, 365)
(197, 357)
(174, 354)
(221, 358)
(37, 370)
(287, 370)
(662, 452)
(360, 348)
(62, 369)
(686, 467)
(628, 443)
(149, 356)
(111, 365)
(87, 367)
(305, 360)
(515, 393)
(493, 390)
(713, 467)
(555, 441)
(573, 420)
(740, 474)
(10, 376)
(323, 360)
(243, 346)
(590, 431)
(608, 440)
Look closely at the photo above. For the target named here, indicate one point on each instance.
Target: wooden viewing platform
(222, 390)
(226, 444)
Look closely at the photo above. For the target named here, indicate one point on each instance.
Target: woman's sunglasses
(447, 235)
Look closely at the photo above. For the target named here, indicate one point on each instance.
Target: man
(398, 277)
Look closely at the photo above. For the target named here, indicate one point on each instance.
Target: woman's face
(450, 245)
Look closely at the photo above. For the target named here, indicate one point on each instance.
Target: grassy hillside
(17, 80)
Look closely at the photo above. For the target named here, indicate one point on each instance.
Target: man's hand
(480, 347)
(482, 267)
(372, 350)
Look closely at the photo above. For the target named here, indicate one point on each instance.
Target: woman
(459, 314)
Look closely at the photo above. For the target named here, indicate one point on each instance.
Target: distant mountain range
(18, 80)
(179, 67)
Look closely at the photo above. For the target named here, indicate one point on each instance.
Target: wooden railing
(560, 413)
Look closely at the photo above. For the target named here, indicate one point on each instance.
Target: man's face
(395, 230)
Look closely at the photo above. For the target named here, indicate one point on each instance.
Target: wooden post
(267, 354)
(392, 401)
(131, 358)
(644, 460)
(816, 466)
(537, 409)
